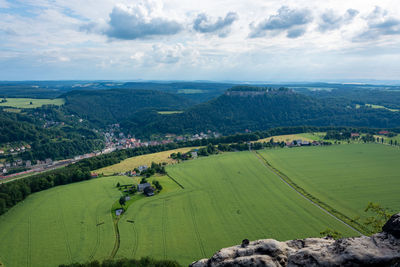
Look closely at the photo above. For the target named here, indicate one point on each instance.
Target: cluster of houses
(15, 150)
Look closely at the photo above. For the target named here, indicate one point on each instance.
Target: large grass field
(26, 102)
(346, 177)
(59, 225)
(134, 162)
(225, 199)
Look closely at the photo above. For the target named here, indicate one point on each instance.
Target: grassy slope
(290, 137)
(346, 177)
(59, 225)
(226, 198)
(25, 102)
(134, 162)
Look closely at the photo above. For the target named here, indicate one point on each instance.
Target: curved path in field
(267, 165)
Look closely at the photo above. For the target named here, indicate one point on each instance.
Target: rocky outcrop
(382, 249)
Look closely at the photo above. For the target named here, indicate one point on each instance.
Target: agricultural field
(291, 137)
(61, 225)
(169, 112)
(345, 177)
(190, 91)
(134, 162)
(226, 198)
(378, 106)
(21, 103)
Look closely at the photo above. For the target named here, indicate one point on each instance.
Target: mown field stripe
(328, 210)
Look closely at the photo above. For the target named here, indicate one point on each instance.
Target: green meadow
(65, 224)
(226, 198)
(345, 177)
(26, 102)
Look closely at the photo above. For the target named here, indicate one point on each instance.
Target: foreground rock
(382, 249)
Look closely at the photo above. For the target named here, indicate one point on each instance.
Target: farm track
(196, 229)
(29, 254)
(97, 244)
(117, 239)
(164, 228)
(61, 213)
(283, 179)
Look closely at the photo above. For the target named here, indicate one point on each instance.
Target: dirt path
(117, 239)
(267, 165)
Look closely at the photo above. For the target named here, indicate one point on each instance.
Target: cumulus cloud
(139, 21)
(220, 26)
(332, 21)
(380, 23)
(292, 21)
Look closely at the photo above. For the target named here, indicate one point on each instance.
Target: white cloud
(156, 39)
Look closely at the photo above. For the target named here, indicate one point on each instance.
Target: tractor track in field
(97, 244)
(29, 256)
(164, 228)
(196, 229)
(67, 244)
(271, 168)
(117, 239)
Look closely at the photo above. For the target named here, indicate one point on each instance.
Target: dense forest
(104, 107)
(232, 113)
(64, 140)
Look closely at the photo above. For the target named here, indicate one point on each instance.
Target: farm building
(142, 187)
(384, 132)
(119, 212)
(142, 168)
(149, 191)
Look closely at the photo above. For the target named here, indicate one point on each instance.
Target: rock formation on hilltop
(382, 249)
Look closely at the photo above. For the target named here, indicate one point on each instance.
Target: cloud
(138, 22)
(331, 21)
(379, 24)
(291, 20)
(220, 26)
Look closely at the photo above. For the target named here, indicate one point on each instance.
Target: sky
(225, 40)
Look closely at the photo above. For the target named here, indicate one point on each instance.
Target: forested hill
(241, 109)
(104, 107)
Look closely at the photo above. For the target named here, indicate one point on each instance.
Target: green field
(225, 199)
(190, 91)
(59, 225)
(26, 102)
(169, 112)
(345, 177)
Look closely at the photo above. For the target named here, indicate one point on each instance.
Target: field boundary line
(181, 186)
(315, 201)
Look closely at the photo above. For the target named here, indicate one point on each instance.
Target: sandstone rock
(382, 249)
(393, 226)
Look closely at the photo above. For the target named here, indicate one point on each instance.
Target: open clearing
(134, 162)
(26, 102)
(225, 199)
(291, 137)
(169, 112)
(346, 177)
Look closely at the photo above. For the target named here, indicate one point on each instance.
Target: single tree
(122, 200)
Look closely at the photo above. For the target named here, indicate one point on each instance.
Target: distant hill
(252, 108)
(104, 107)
